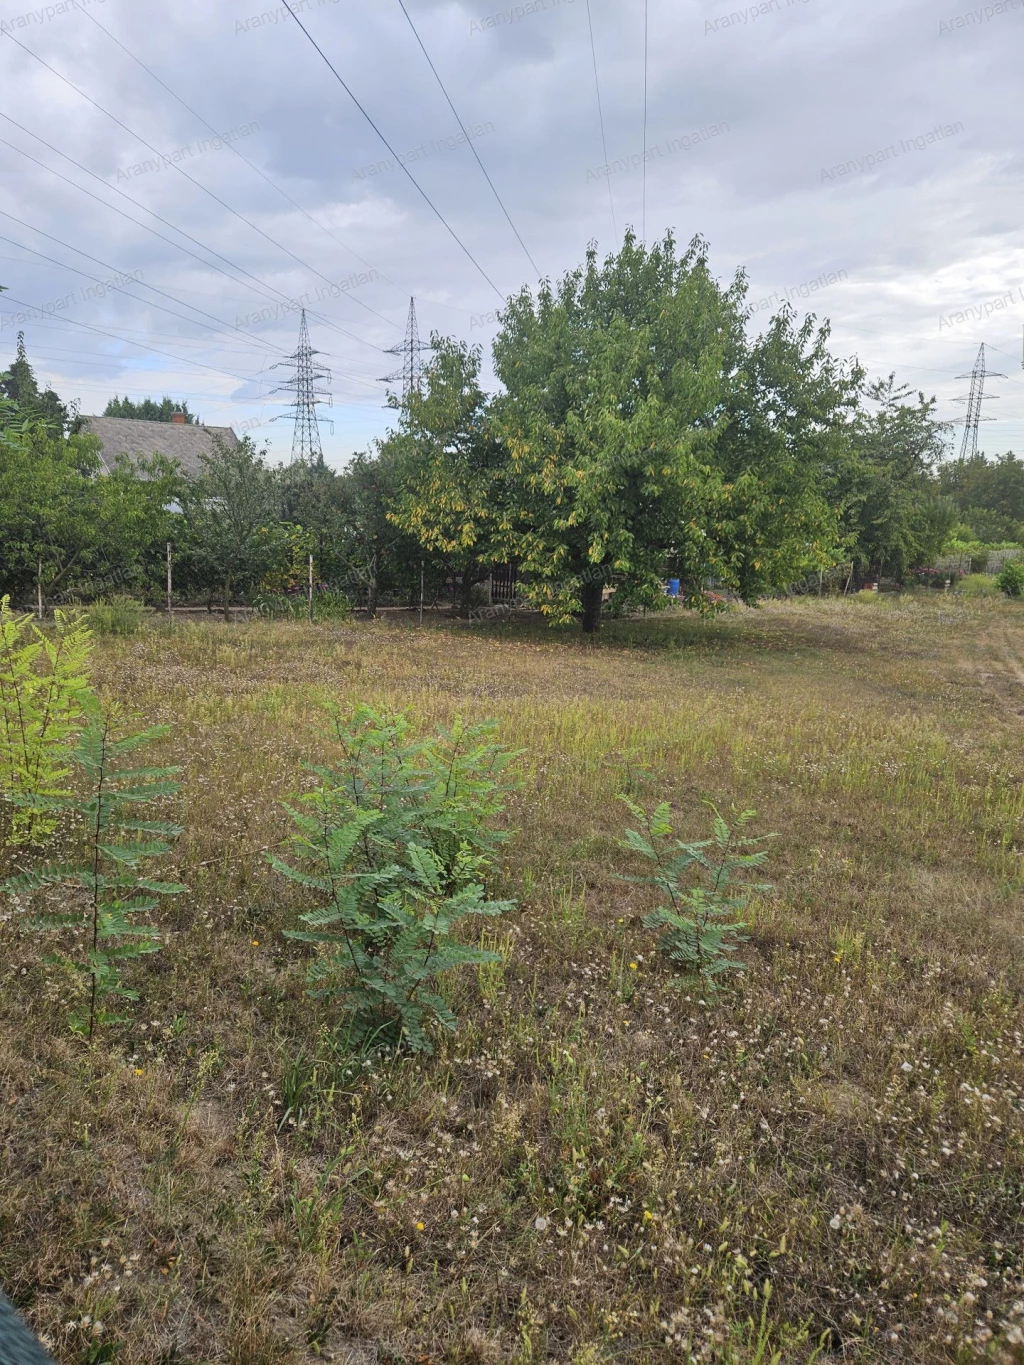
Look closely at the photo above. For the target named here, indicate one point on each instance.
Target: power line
(34, 308)
(192, 180)
(259, 286)
(465, 134)
(107, 266)
(264, 291)
(600, 116)
(56, 321)
(398, 161)
(251, 164)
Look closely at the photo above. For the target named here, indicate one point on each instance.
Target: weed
(111, 887)
(116, 616)
(43, 680)
(1011, 578)
(395, 847)
(700, 928)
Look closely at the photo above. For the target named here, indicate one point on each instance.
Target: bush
(328, 605)
(1011, 578)
(700, 928)
(978, 585)
(116, 616)
(394, 843)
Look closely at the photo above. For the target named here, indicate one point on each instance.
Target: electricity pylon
(410, 350)
(303, 383)
(974, 400)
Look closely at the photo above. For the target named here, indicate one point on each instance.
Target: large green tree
(643, 433)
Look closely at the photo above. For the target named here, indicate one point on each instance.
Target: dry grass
(597, 1166)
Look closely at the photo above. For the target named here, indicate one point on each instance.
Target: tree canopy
(20, 386)
(638, 430)
(148, 410)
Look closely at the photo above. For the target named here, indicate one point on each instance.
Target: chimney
(178, 418)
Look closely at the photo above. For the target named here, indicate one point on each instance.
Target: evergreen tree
(148, 410)
(20, 386)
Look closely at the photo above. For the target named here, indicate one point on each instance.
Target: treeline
(988, 495)
(637, 433)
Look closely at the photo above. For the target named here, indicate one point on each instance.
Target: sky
(178, 180)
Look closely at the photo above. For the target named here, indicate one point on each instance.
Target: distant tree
(148, 410)
(449, 468)
(232, 533)
(382, 557)
(32, 404)
(989, 494)
(894, 515)
(65, 527)
(312, 497)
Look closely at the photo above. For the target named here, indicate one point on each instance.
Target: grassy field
(599, 1166)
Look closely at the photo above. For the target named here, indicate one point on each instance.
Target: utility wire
(251, 164)
(266, 291)
(107, 266)
(263, 290)
(465, 134)
(216, 198)
(419, 188)
(34, 308)
(600, 116)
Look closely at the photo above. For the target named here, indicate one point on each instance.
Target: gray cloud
(887, 250)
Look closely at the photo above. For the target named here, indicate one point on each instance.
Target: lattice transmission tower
(307, 375)
(410, 350)
(974, 400)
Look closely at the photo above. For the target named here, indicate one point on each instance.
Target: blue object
(673, 587)
(18, 1346)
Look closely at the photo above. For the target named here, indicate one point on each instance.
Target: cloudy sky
(174, 177)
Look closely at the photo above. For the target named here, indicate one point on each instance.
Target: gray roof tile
(177, 440)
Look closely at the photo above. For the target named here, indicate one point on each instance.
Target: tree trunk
(466, 586)
(593, 596)
(227, 599)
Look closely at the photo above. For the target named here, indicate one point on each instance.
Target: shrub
(110, 886)
(978, 585)
(395, 842)
(43, 681)
(328, 605)
(699, 924)
(1011, 578)
(116, 616)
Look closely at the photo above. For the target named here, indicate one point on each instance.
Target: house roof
(180, 441)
